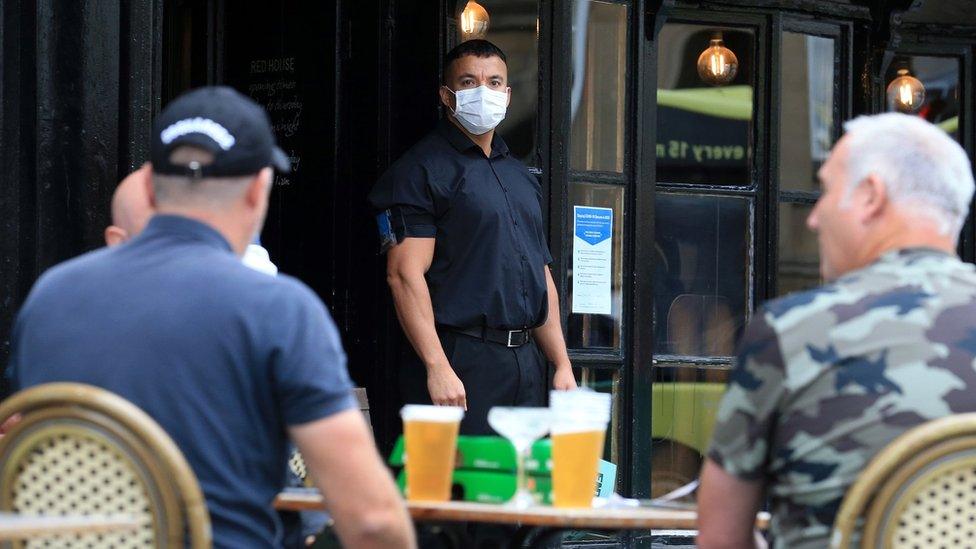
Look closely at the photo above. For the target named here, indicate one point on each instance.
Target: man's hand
(7, 425)
(359, 492)
(445, 387)
(564, 380)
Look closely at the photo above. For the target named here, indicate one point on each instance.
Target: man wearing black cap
(228, 360)
(469, 263)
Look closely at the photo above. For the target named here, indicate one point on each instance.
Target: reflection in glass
(598, 102)
(806, 128)
(607, 381)
(514, 29)
(940, 76)
(593, 331)
(684, 402)
(701, 274)
(798, 266)
(704, 133)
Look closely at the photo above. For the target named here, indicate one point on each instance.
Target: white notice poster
(592, 251)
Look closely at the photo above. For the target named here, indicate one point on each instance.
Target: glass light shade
(905, 93)
(473, 22)
(717, 65)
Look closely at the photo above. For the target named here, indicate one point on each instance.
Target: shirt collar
(177, 225)
(462, 142)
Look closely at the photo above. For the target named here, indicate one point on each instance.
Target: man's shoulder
(69, 273)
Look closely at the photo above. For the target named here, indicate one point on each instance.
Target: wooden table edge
(632, 518)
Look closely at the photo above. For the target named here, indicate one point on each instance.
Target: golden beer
(430, 438)
(575, 464)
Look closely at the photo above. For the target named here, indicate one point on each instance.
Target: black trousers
(492, 374)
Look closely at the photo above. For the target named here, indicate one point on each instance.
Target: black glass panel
(806, 124)
(684, 401)
(702, 273)
(704, 132)
(940, 77)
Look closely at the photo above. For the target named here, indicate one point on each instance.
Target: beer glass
(579, 427)
(430, 442)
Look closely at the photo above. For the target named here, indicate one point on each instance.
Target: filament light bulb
(473, 21)
(717, 65)
(905, 93)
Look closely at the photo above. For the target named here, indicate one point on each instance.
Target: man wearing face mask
(467, 256)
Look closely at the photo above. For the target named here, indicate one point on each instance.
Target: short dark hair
(477, 48)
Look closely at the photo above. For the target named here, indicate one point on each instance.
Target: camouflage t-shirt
(826, 378)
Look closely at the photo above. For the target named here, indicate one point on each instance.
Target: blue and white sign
(592, 253)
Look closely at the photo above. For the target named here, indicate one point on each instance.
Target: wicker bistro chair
(919, 491)
(82, 450)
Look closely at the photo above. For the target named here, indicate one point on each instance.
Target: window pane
(702, 273)
(799, 257)
(940, 77)
(684, 401)
(603, 287)
(514, 28)
(608, 381)
(598, 100)
(704, 133)
(806, 128)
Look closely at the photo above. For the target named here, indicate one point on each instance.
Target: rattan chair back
(918, 492)
(82, 450)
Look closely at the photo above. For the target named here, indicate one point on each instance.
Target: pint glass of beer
(430, 441)
(579, 426)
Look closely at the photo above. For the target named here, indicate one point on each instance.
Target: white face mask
(479, 109)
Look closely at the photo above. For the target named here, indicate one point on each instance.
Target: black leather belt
(508, 338)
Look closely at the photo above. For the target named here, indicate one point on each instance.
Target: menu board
(273, 82)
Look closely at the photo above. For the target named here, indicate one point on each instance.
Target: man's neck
(233, 232)
(483, 141)
(910, 233)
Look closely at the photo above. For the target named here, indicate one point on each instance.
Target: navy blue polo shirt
(485, 213)
(222, 356)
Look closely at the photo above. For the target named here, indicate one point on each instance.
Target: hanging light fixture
(473, 21)
(717, 65)
(905, 93)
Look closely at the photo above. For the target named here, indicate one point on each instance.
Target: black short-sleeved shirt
(222, 356)
(486, 216)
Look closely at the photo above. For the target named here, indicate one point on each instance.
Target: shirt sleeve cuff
(320, 408)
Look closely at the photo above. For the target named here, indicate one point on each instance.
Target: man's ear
(873, 197)
(259, 188)
(115, 235)
(148, 182)
(447, 98)
(509, 102)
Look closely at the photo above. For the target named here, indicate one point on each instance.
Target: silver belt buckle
(509, 343)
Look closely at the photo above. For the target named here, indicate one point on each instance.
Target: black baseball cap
(217, 119)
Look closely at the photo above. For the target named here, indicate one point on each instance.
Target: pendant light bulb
(905, 93)
(717, 65)
(473, 21)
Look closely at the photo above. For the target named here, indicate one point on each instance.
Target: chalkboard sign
(273, 82)
(282, 55)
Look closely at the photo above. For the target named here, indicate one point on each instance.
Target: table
(540, 524)
(14, 526)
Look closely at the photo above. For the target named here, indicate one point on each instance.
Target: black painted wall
(78, 88)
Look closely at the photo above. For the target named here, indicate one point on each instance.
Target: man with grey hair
(230, 362)
(826, 378)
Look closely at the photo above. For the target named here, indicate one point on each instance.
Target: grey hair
(917, 161)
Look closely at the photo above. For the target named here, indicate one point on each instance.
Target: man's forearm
(549, 336)
(411, 298)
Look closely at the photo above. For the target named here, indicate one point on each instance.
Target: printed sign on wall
(592, 253)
